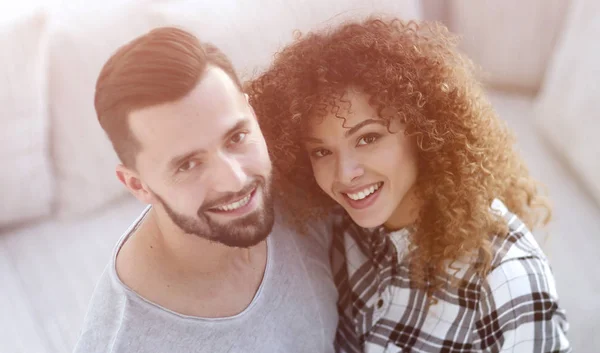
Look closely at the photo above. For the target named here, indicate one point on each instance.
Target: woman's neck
(406, 213)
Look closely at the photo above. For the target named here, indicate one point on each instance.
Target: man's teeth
(364, 193)
(235, 205)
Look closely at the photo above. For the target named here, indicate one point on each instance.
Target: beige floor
(48, 271)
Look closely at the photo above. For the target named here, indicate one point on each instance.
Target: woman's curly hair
(466, 154)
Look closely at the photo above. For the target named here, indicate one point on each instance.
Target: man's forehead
(216, 84)
(200, 128)
(213, 101)
(195, 122)
(173, 142)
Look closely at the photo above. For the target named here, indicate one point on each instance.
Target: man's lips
(236, 203)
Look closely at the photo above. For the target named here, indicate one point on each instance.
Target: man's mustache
(231, 197)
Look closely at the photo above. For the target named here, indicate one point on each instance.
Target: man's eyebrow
(242, 122)
(177, 160)
(364, 123)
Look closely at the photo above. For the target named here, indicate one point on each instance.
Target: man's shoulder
(116, 319)
(132, 262)
(316, 230)
(104, 316)
(113, 304)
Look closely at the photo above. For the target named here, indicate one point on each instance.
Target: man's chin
(242, 230)
(246, 232)
(242, 241)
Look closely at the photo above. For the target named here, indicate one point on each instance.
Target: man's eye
(320, 152)
(188, 166)
(238, 137)
(367, 139)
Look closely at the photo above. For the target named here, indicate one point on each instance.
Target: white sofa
(62, 209)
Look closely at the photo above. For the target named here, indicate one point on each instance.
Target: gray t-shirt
(294, 309)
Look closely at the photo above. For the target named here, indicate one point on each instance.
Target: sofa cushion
(26, 181)
(251, 32)
(568, 106)
(82, 38)
(511, 39)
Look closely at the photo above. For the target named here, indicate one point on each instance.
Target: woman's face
(362, 164)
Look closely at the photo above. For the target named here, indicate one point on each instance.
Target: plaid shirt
(514, 309)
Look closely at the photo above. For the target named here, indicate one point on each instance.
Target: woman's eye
(321, 152)
(188, 166)
(367, 139)
(239, 137)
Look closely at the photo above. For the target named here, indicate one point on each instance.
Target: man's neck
(188, 274)
(192, 255)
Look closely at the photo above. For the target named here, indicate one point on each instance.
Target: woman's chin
(366, 221)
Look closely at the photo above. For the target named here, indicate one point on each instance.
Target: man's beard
(243, 232)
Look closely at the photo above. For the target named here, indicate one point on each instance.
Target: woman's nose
(348, 170)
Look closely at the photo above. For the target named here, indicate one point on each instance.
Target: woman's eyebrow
(351, 131)
(362, 124)
(311, 139)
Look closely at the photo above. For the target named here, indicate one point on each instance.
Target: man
(208, 266)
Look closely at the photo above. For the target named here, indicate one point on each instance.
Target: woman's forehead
(344, 109)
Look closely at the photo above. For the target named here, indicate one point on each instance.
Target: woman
(385, 119)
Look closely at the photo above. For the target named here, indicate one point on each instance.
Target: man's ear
(134, 184)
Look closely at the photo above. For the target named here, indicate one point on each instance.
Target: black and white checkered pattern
(513, 309)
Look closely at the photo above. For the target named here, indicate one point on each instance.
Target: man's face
(205, 161)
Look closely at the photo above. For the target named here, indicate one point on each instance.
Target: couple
(389, 214)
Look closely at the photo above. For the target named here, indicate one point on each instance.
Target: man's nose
(348, 170)
(228, 176)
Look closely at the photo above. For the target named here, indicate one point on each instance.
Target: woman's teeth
(364, 193)
(235, 205)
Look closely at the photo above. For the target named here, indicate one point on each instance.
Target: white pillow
(250, 32)
(568, 106)
(510, 39)
(83, 36)
(26, 181)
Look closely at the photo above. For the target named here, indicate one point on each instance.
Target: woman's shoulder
(519, 292)
(513, 254)
(518, 244)
(520, 274)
